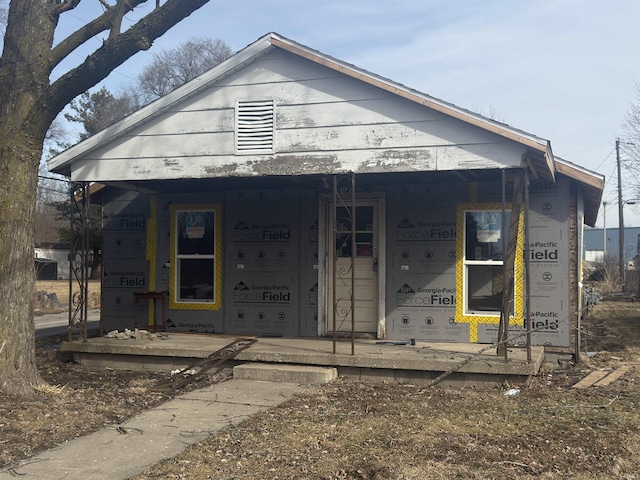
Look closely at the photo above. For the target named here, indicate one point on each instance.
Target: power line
(609, 177)
(50, 189)
(588, 148)
(46, 177)
(605, 158)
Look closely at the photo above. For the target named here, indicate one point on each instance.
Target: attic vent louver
(255, 126)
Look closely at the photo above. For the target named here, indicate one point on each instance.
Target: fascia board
(580, 174)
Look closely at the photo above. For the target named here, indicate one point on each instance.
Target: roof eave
(592, 184)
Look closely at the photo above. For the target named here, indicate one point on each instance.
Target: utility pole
(620, 215)
(604, 232)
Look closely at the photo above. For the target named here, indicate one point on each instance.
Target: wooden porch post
(509, 264)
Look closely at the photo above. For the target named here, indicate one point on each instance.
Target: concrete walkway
(126, 450)
(58, 323)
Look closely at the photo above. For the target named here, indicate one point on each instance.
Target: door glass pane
(364, 244)
(364, 218)
(343, 244)
(343, 229)
(343, 219)
(364, 231)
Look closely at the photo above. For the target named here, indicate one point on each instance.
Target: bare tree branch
(100, 24)
(66, 5)
(28, 104)
(475, 355)
(113, 53)
(116, 23)
(3, 15)
(176, 66)
(631, 141)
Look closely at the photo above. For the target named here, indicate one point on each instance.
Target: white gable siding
(325, 123)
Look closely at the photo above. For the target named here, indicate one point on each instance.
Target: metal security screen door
(356, 247)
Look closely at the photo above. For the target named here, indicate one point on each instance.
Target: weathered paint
(325, 123)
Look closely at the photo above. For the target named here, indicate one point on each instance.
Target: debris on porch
(127, 334)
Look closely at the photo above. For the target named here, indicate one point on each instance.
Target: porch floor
(403, 363)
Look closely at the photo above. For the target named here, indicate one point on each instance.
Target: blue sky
(560, 69)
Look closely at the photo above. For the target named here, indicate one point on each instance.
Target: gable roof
(533, 142)
(543, 159)
(540, 155)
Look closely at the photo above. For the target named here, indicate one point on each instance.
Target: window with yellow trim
(195, 256)
(484, 246)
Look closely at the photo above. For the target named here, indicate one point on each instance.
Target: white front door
(364, 259)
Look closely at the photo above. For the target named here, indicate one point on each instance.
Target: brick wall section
(574, 265)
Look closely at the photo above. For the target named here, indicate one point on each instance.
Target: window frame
(475, 317)
(175, 302)
(468, 263)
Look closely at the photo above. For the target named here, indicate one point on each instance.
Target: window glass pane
(484, 288)
(483, 238)
(195, 278)
(195, 233)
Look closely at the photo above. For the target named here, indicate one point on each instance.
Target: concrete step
(287, 373)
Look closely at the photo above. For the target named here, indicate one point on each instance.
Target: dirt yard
(359, 430)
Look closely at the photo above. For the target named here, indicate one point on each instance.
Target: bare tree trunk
(18, 169)
(23, 77)
(28, 105)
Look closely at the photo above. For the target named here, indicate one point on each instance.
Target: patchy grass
(375, 431)
(61, 289)
(356, 430)
(360, 430)
(76, 402)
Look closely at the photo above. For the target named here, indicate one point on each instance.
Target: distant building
(48, 253)
(56, 252)
(594, 242)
